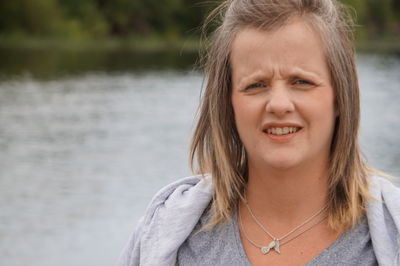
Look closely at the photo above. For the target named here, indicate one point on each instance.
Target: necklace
(276, 242)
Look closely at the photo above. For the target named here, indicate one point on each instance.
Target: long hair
(216, 147)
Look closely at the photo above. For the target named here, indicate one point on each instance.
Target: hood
(175, 210)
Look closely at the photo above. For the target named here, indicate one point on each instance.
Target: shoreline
(157, 44)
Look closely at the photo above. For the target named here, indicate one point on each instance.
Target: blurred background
(97, 101)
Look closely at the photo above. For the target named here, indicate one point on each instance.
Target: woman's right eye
(256, 85)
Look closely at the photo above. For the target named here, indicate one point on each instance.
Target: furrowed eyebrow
(306, 74)
(259, 76)
(244, 81)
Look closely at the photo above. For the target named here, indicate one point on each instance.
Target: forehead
(296, 44)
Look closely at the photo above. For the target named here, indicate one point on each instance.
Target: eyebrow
(259, 75)
(296, 72)
(299, 72)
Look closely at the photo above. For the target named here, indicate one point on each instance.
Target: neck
(287, 196)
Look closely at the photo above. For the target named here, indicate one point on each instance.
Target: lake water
(82, 155)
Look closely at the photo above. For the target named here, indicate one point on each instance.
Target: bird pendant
(274, 244)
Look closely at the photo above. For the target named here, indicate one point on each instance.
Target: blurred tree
(87, 16)
(360, 12)
(39, 17)
(380, 15)
(10, 17)
(32, 17)
(396, 8)
(124, 16)
(359, 8)
(76, 19)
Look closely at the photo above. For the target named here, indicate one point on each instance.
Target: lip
(281, 138)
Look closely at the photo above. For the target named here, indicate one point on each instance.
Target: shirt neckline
(331, 248)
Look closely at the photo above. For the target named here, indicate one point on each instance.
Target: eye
(256, 85)
(302, 82)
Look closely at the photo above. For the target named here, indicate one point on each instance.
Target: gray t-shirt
(222, 246)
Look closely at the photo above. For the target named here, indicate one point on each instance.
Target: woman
(278, 133)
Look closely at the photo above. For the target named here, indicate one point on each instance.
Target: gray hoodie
(176, 209)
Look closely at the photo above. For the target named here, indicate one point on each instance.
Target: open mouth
(279, 131)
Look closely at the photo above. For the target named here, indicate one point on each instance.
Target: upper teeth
(282, 130)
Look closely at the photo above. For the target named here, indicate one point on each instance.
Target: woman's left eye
(302, 82)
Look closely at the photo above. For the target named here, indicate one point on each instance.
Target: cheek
(319, 112)
(245, 113)
(240, 109)
(325, 117)
(242, 121)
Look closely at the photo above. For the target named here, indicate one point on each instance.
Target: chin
(284, 163)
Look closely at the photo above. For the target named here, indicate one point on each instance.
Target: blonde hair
(216, 146)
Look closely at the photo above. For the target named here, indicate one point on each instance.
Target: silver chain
(290, 232)
(275, 240)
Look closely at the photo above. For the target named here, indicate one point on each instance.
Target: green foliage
(169, 19)
(84, 18)
(359, 8)
(380, 15)
(30, 17)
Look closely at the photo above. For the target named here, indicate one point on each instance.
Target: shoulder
(382, 188)
(385, 202)
(180, 203)
(188, 190)
(169, 219)
(383, 213)
(386, 196)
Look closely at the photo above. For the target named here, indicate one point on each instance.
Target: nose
(279, 102)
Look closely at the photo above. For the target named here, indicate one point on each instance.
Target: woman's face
(282, 96)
